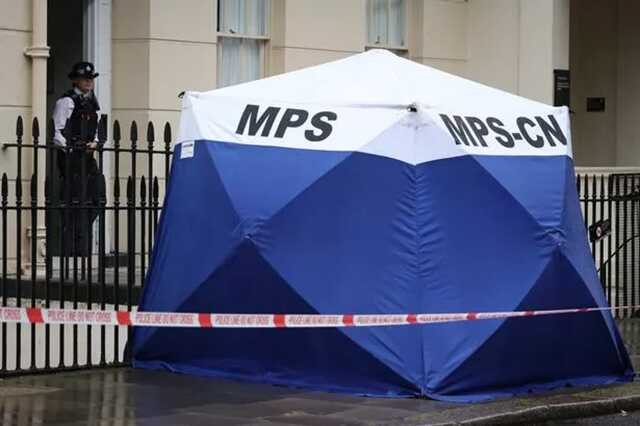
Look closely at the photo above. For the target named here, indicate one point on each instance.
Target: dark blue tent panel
(374, 235)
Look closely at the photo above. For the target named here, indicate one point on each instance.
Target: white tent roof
(370, 94)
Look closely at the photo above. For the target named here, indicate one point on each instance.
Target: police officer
(80, 106)
(75, 119)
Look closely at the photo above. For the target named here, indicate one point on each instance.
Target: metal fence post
(167, 154)
(131, 246)
(35, 134)
(149, 213)
(18, 194)
(4, 195)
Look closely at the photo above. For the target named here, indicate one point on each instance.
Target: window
(386, 23)
(242, 37)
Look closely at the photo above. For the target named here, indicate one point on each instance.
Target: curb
(544, 413)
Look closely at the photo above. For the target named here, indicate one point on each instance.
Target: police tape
(208, 320)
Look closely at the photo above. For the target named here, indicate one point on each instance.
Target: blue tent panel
(319, 358)
(250, 229)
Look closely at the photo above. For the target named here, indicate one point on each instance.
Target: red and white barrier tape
(193, 320)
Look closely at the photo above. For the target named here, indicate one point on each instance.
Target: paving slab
(114, 396)
(122, 396)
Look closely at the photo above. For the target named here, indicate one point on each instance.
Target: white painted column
(97, 36)
(544, 46)
(38, 52)
(561, 31)
(97, 49)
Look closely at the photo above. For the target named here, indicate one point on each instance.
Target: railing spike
(33, 187)
(143, 189)
(578, 183)
(167, 133)
(47, 188)
(102, 190)
(156, 189)
(19, 128)
(116, 189)
(150, 133)
(51, 130)
(133, 133)
(116, 133)
(35, 129)
(5, 186)
(18, 189)
(102, 129)
(129, 188)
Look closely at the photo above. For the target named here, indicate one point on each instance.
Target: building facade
(148, 51)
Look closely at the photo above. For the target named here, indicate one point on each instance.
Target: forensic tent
(376, 185)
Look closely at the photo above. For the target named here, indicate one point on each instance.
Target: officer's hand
(91, 146)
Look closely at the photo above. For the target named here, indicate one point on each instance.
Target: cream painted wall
(15, 75)
(130, 56)
(130, 19)
(181, 57)
(150, 52)
(15, 99)
(334, 25)
(130, 80)
(155, 57)
(515, 44)
(594, 62)
(493, 43)
(296, 58)
(605, 62)
(561, 33)
(535, 50)
(442, 39)
(510, 44)
(161, 47)
(172, 20)
(176, 66)
(316, 32)
(628, 93)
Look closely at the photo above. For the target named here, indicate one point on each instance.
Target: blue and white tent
(377, 185)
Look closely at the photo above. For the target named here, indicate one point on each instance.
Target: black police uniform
(77, 167)
(80, 130)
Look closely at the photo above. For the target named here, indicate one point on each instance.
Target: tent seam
(501, 323)
(526, 211)
(328, 171)
(418, 253)
(339, 329)
(603, 314)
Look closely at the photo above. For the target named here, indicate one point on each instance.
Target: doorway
(65, 32)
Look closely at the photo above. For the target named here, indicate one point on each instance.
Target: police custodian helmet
(83, 70)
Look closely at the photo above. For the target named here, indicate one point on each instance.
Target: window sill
(386, 46)
(243, 36)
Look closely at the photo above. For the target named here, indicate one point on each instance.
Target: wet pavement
(623, 418)
(139, 397)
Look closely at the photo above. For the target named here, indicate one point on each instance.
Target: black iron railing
(611, 208)
(99, 227)
(82, 237)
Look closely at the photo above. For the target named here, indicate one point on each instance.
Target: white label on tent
(186, 149)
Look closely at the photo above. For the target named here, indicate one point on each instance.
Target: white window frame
(400, 50)
(264, 39)
(97, 42)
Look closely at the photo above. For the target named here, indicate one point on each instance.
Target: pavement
(622, 418)
(124, 396)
